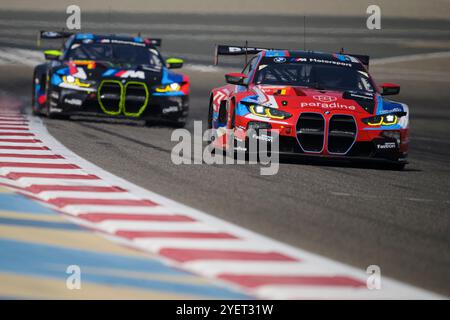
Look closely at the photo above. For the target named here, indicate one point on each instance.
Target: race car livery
(321, 105)
(109, 75)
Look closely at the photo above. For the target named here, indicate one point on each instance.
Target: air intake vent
(311, 132)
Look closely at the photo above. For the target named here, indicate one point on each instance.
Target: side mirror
(389, 89)
(174, 63)
(235, 78)
(52, 54)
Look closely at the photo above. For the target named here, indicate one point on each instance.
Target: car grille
(136, 99)
(341, 134)
(311, 132)
(109, 96)
(130, 99)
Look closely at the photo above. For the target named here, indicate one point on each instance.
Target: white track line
(413, 57)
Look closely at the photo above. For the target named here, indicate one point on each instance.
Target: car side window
(249, 68)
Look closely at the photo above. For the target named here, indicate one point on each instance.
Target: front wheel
(34, 108)
(179, 124)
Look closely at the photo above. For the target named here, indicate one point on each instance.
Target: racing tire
(34, 111)
(210, 118)
(179, 124)
(399, 166)
(56, 116)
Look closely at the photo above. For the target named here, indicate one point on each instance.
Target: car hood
(309, 99)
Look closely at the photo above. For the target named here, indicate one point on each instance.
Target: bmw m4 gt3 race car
(322, 105)
(109, 75)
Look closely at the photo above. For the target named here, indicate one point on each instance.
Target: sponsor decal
(299, 60)
(170, 109)
(387, 145)
(324, 105)
(337, 63)
(54, 95)
(50, 34)
(55, 109)
(79, 73)
(391, 110)
(279, 59)
(130, 74)
(242, 49)
(325, 98)
(139, 44)
(360, 96)
(262, 137)
(73, 101)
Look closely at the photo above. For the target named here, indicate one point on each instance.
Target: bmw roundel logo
(279, 59)
(327, 112)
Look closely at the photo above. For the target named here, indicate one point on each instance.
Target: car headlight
(75, 81)
(383, 120)
(172, 87)
(267, 112)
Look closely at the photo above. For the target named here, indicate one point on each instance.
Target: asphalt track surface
(360, 215)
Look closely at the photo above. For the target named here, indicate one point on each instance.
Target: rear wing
(156, 42)
(362, 58)
(52, 35)
(224, 50)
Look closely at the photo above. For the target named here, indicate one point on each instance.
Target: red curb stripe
(24, 128)
(62, 202)
(37, 188)
(39, 165)
(174, 234)
(23, 148)
(253, 281)
(99, 217)
(21, 140)
(12, 116)
(184, 255)
(16, 134)
(31, 156)
(18, 175)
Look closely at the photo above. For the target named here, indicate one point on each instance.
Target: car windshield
(319, 76)
(116, 53)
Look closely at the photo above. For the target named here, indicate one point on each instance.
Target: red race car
(322, 105)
